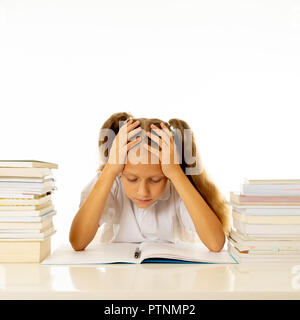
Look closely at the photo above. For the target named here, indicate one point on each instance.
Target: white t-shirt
(166, 220)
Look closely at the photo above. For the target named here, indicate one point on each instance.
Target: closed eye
(134, 180)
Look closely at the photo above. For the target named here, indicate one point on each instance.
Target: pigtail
(201, 181)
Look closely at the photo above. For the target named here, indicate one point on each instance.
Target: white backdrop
(231, 69)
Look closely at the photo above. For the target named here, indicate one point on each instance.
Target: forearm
(207, 224)
(86, 221)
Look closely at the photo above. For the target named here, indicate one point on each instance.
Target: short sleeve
(110, 209)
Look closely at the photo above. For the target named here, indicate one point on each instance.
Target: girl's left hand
(168, 156)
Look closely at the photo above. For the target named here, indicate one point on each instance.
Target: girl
(152, 200)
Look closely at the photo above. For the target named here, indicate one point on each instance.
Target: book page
(196, 252)
(94, 254)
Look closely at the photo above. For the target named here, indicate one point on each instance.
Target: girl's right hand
(120, 146)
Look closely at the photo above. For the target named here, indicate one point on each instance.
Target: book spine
(270, 190)
(45, 216)
(266, 229)
(244, 198)
(25, 202)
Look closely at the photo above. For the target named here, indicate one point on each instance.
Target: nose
(143, 190)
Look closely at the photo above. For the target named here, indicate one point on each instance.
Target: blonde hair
(202, 182)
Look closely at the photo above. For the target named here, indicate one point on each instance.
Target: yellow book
(21, 208)
(25, 172)
(26, 225)
(29, 204)
(284, 219)
(24, 251)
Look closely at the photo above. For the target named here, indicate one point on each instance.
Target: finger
(126, 123)
(161, 133)
(166, 130)
(132, 143)
(125, 126)
(166, 151)
(132, 125)
(155, 151)
(156, 139)
(123, 129)
(134, 132)
(122, 135)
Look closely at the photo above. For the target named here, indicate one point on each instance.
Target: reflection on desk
(150, 281)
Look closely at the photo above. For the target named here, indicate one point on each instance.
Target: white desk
(151, 281)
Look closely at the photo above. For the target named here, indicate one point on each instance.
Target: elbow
(75, 240)
(77, 248)
(76, 245)
(216, 249)
(218, 246)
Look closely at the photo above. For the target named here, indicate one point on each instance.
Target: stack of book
(266, 221)
(26, 210)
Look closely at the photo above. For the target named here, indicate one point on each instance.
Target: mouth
(143, 201)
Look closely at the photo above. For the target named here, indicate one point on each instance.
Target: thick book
(25, 172)
(26, 185)
(37, 188)
(26, 212)
(271, 181)
(34, 203)
(21, 207)
(282, 219)
(25, 226)
(103, 253)
(267, 210)
(284, 230)
(241, 257)
(19, 198)
(27, 164)
(24, 251)
(47, 215)
(26, 179)
(251, 245)
(244, 200)
(264, 237)
(34, 235)
(11, 193)
(270, 189)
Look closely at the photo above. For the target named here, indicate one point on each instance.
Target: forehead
(140, 163)
(143, 170)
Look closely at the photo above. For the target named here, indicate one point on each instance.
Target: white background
(231, 69)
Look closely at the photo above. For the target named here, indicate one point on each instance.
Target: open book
(102, 253)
